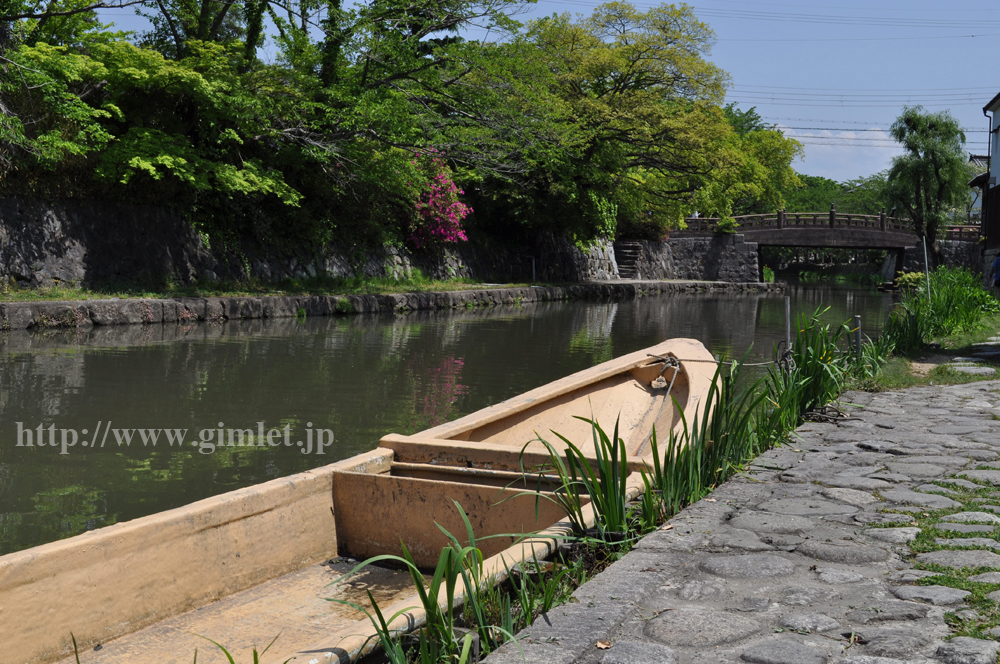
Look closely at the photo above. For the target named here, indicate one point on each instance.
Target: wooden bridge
(824, 229)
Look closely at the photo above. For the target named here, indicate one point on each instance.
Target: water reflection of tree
(593, 335)
(437, 390)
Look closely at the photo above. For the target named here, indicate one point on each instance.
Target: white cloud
(843, 155)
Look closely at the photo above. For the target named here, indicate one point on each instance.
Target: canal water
(349, 378)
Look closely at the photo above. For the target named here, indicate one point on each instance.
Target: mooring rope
(785, 360)
(828, 413)
(658, 383)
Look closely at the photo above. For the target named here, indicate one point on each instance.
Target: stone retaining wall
(75, 242)
(715, 258)
(722, 258)
(26, 315)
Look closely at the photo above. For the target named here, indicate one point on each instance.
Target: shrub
(957, 302)
(438, 212)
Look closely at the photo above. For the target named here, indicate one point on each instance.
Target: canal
(349, 378)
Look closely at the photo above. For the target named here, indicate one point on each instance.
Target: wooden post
(781, 218)
(881, 220)
(833, 214)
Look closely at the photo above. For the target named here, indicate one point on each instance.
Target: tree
(744, 122)
(866, 195)
(636, 104)
(755, 168)
(815, 195)
(30, 20)
(931, 178)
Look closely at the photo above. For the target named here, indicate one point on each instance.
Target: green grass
(927, 521)
(252, 287)
(896, 374)
(959, 313)
(956, 305)
(961, 342)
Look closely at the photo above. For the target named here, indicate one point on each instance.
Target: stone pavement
(870, 541)
(985, 351)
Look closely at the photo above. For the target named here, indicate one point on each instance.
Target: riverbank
(869, 537)
(83, 313)
(251, 288)
(952, 360)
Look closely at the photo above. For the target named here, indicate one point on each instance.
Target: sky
(834, 74)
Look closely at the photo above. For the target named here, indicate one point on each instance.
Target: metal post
(857, 337)
(927, 270)
(788, 323)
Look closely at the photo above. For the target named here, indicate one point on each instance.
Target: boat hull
(114, 581)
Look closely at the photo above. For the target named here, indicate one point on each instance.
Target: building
(991, 193)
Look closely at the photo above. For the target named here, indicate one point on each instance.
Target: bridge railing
(831, 219)
(964, 232)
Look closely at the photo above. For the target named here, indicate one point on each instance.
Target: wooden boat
(122, 586)
(477, 460)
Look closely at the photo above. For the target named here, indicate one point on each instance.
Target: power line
(853, 122)
(967, 131)
(787, 96)
(862, 39)
(864, 8)
(842, 145)
(845, 104)
(925, 90)
(856, 95)
(841, 19)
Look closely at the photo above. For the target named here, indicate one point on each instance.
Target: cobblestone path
(870, 541)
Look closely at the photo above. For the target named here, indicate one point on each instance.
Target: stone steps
(627, 255)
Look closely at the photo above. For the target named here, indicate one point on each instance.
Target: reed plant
(819, 365)
(601, 483)
(442, 639)
(707, 446)
(957, 302)
(256, 656)
(437, 641)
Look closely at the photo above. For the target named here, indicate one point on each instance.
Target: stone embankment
(873, 540)
(26, 315)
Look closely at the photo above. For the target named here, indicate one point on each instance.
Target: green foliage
(862, 195)
(930, 180)
(866, 195)
(745, 122)
(584, 127)
(910, 280)
(727, 226)
(957, 303)
(602, 484)
(768, 275)
(753, 172)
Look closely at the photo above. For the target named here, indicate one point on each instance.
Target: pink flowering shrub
(438, 212)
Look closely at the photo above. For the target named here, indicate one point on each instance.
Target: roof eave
(993, 106)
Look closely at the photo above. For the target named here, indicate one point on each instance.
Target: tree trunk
(332, 43)
(255, 21)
